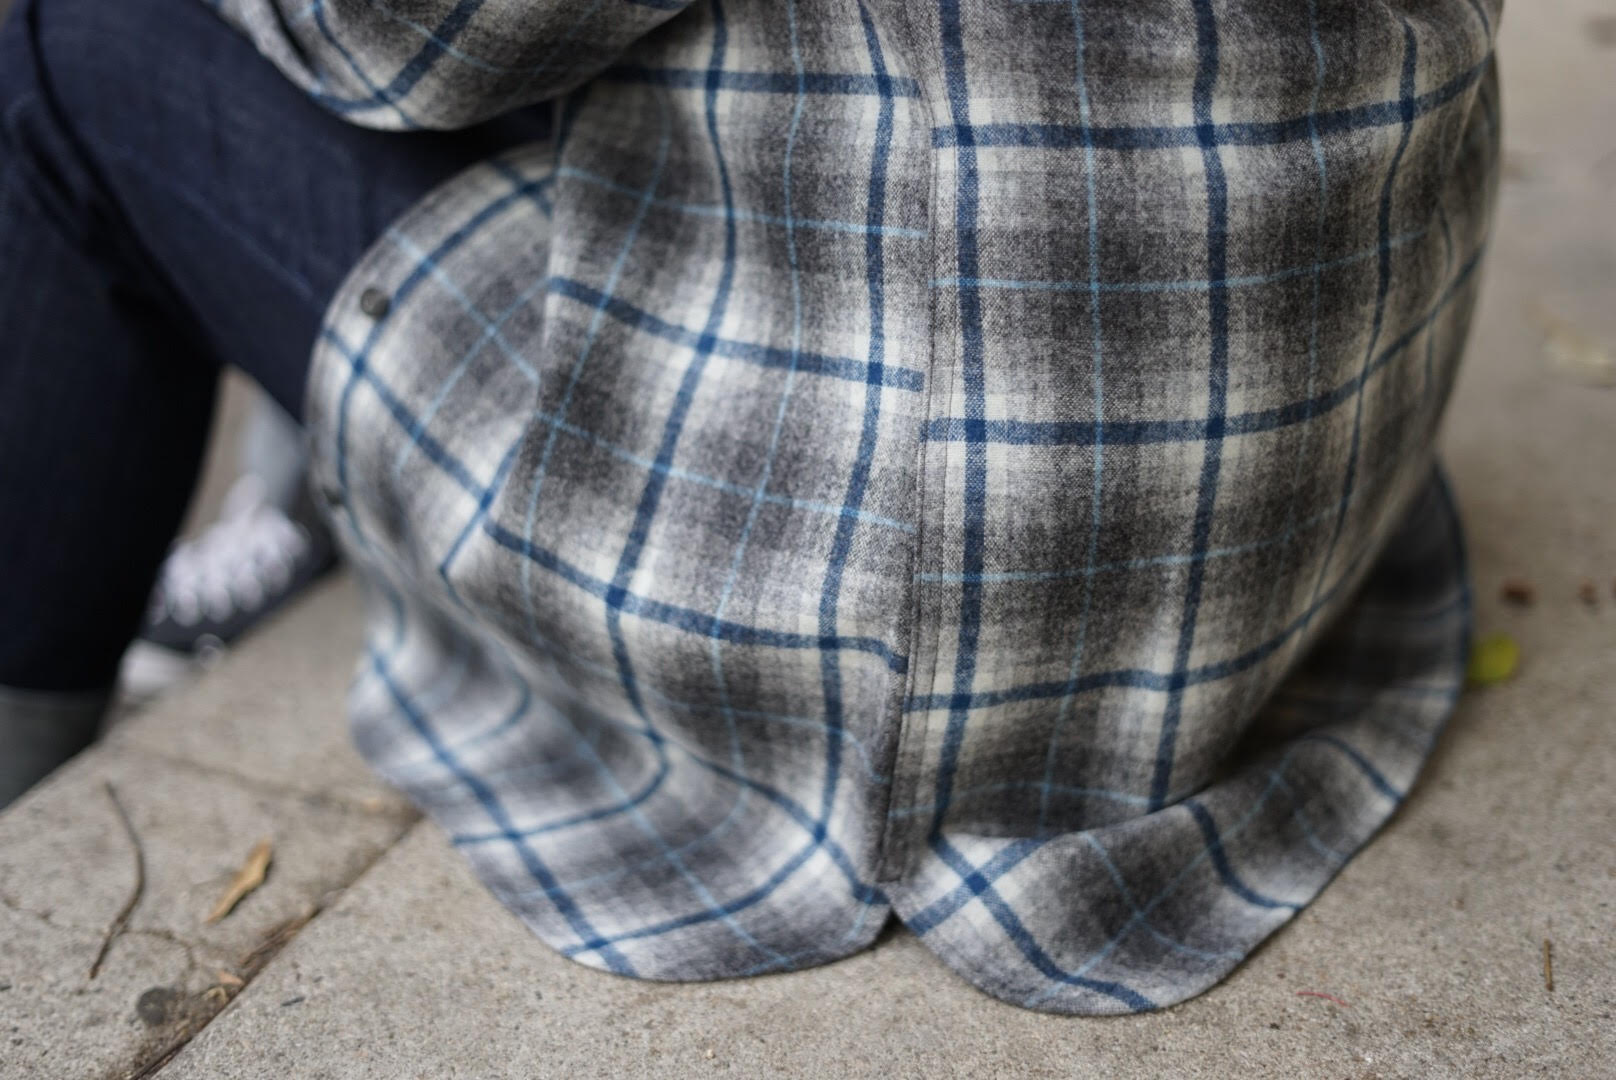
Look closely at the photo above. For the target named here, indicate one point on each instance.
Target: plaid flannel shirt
(969, 460)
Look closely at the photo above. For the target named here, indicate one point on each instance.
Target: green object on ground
(1493, 659)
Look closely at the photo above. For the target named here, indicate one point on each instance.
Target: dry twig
(1548, 965)
(122, 918)
(274, 940)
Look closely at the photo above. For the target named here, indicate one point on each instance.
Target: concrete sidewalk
(371, 952)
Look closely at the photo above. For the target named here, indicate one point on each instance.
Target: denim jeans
(168, 205)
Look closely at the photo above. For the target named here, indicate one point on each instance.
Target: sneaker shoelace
(237, 564)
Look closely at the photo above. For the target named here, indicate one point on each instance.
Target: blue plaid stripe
(1217, 228)
(847, 471)
(971, 374)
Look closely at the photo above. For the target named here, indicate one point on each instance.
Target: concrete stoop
(370, 952)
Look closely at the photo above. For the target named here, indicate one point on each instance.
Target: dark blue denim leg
(168, 204)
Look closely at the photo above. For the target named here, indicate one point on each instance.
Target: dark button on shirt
(375, 303)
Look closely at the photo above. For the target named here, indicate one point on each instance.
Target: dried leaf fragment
(230, 979)
(248, 878)
(1493, 660)
(1571, 352)
(1588, 593)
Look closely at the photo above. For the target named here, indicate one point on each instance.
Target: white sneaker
(216, 587)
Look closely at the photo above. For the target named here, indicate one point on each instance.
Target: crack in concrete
(399, 811)
(209, 1006)
(190, 948)
(13, 905)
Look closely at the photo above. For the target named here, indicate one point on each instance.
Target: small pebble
(1588, 593)
(1516, 591)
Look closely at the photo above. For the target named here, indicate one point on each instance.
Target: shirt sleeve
(439, 64)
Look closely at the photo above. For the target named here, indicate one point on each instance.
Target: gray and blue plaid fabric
(969, 460)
